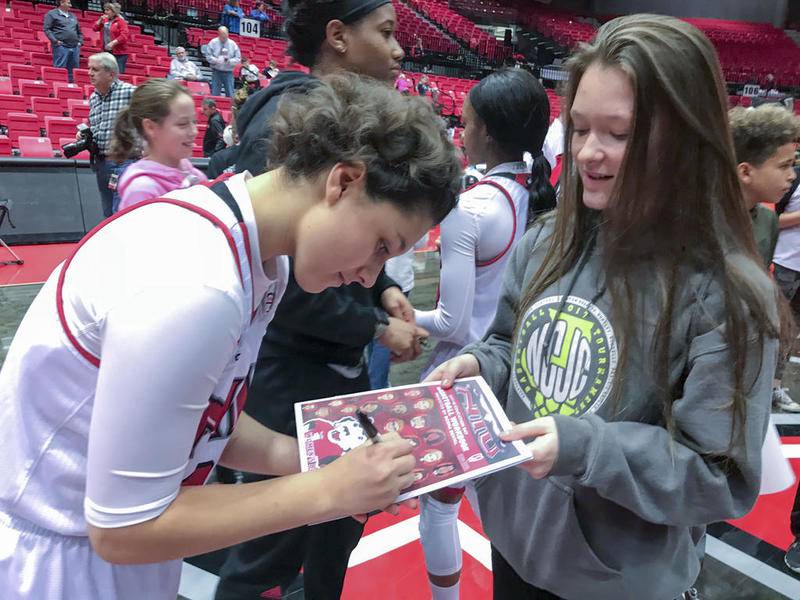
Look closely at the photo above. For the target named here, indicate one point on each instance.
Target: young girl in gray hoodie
(636, 335)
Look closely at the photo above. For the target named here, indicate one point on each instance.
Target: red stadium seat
(23, 124)
(48, 106)
(5, 146)
(199, 88)
(10, 103)
(5, 85)
(34, 87)
(35, 147)
(78, 109)
(14, 56)
(65, 91)
(58, 127)
(17, 71)
(54, 74)
(81, 76)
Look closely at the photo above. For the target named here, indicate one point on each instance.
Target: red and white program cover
(455, 432)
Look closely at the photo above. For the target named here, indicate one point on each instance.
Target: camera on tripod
(85, 142)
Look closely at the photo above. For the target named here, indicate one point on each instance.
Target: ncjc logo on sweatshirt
(577, 376)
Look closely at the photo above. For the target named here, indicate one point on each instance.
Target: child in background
(764, 139)
(162, 114)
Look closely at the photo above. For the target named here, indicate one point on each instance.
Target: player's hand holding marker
(371, 476)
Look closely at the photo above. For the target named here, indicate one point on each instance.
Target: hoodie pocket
(582, 556)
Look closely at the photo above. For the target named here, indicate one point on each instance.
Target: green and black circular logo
(565, 367)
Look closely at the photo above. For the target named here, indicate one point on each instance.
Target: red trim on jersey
(555, 174)
(486, 263)
(91, 358)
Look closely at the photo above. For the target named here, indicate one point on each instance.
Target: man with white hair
(223, 55)
(182, 68)
(109, 97)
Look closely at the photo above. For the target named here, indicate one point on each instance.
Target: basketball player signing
(455, 432)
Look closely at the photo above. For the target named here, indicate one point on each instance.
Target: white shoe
(781, 400)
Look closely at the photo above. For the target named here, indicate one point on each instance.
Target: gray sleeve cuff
(574, 437)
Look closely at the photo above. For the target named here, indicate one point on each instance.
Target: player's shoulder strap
(512, 206)
(220, 188)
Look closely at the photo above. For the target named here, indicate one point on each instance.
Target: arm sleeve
(681, 481)
(337, 317)
(451, 318)
(494, 351)
(218, 127)
(80, 33)
(48, 28)
(382, 283)
(158, 370)
(98, 25)
(124, 32)
(141, 188)
(236, 55)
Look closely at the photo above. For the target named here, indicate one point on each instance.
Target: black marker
(368, 427)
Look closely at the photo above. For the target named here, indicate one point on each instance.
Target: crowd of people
(627, 320)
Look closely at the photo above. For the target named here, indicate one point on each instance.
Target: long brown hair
(676, 206)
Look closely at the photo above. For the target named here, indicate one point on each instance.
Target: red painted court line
(40, 260)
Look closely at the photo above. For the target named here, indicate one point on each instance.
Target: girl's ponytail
(541, 194)
(125, 141)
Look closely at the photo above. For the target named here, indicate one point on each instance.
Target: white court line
(474, 544)
(752, 567)
(385, 540)
(791, 450)
(794, 359)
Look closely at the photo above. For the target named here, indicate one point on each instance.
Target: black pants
(323, 551)
(794, 518)
(510, 586)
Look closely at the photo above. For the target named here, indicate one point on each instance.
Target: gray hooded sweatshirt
(623, 513)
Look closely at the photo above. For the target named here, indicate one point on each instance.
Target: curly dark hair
(348, 118)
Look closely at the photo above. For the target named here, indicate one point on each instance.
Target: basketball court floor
(744, 557)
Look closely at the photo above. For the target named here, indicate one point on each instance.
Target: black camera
(86, 142)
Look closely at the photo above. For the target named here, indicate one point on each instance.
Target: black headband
(351, 11)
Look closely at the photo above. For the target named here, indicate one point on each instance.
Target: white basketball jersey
(187, 243)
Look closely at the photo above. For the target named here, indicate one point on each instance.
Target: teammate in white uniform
(504, 116)
(126, 378)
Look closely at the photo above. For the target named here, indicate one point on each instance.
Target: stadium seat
(54, 74)
(5, 145)
(18, 71)
(5, 85)
(81, 76)
(10, 103)
(48, 107)
(23, 124)
(199, 88)
(58, 127)
(78, 109)
(35, 147)
(68, 91)
(34, 87)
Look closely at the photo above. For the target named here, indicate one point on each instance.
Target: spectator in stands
(162, 114)
(109, 97)
(259, 12)
(213, 140)
(417, 49)
(433, 90)
(232, 13)
(182, 68)
(64, 32)
(764, 141)
(423, 86)
(223, 55)
(402, 84)
(271, 71)
(115, 33)
(249, 75)
(300, 352)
